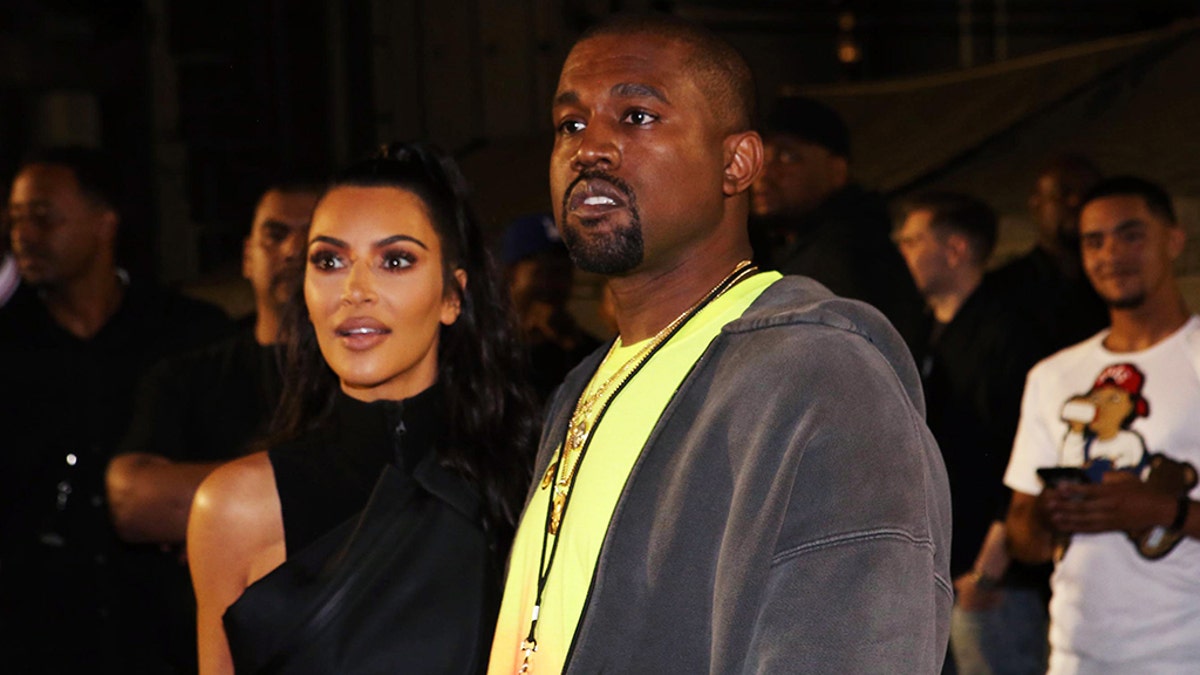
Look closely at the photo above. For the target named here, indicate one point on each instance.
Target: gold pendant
(558, 497)
(549, 477)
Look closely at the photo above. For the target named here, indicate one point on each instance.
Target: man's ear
(958, 249)
(108, 223)
(839, 169)
(1176, 240)
(743, 161)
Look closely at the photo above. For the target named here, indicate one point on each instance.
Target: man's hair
(720, 69)
(809, 120)
(94, 170)
(961, 214)
(1076, 173)
(1157, 201)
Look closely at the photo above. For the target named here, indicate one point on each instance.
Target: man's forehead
(1114, 211)
(292, 208)
(641, 58)
(43, 179)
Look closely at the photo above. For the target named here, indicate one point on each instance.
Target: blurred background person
(810, 218)
(198, 409)
(404, 455)
(973, 373)
(540, 278)
(1048, 281)
(76, 337)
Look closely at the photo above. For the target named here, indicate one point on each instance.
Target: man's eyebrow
(566, 98)
(638, 90)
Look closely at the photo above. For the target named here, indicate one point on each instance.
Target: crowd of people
(831, 433)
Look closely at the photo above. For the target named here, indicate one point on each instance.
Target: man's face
(797, 177)
(638, 160)
(1051, 211)
(57, 232)
(925, 251)
(1127, 251)
(276, 240)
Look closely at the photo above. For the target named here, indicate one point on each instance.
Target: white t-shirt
(1113, 610)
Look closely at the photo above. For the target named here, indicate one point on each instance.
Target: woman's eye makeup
(324, 259)
(396, 259)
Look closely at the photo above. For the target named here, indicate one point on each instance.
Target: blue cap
(528, 236)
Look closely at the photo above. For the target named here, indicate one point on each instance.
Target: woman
(372, 537)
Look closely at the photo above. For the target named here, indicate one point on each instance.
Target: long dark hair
(489, 406)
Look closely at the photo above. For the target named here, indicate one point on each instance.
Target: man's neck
(648, 302)
(1144, 326)
(267, 320)
(83, 307)
(945, 305)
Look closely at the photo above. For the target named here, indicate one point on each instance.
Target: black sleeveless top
(411, 584)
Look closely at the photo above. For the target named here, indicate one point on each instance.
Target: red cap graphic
(1125, 376)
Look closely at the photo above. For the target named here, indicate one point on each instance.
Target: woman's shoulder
(239, 498)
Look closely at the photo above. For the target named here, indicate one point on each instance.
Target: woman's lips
(359, 334)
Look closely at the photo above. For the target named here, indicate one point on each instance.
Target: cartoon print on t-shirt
(1099, 439)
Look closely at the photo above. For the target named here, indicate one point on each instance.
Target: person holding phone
(1103, 465)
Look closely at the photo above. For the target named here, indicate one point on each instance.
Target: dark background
(206, 101)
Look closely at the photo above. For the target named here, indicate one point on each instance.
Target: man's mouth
(594, 198)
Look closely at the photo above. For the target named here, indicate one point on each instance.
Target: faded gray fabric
(789, 513)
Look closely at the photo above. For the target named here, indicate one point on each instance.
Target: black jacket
(846, 245)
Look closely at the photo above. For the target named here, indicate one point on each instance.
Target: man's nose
(597, 149)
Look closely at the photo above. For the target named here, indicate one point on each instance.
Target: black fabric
(72, 597)
(974, 376)
(1066, 306)
(846, 245)
(408, 585)
(204, 405)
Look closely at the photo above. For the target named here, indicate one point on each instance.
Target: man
(1048, 283)
(198, 409)
(1117, 412)
(747, 484)
(821, 224)
(75, 338)
(539, 274)
(973, 373)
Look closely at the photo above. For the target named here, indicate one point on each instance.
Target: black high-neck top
(389, 567)
(326, 477)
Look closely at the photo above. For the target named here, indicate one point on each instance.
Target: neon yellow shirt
(600, 478)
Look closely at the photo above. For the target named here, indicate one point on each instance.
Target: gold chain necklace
(579, 434)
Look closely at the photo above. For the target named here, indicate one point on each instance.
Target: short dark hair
(811, 121)
(721, 70)
(962, 214)
(1158, 202)
(95, 171)
(1076, 173)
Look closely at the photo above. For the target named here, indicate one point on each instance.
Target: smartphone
(1056, 475)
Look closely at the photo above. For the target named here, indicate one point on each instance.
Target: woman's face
(375, 293)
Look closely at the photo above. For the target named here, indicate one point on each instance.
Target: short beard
(621, 251)
(1131, 302)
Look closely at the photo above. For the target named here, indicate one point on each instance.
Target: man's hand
(1120, 502)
